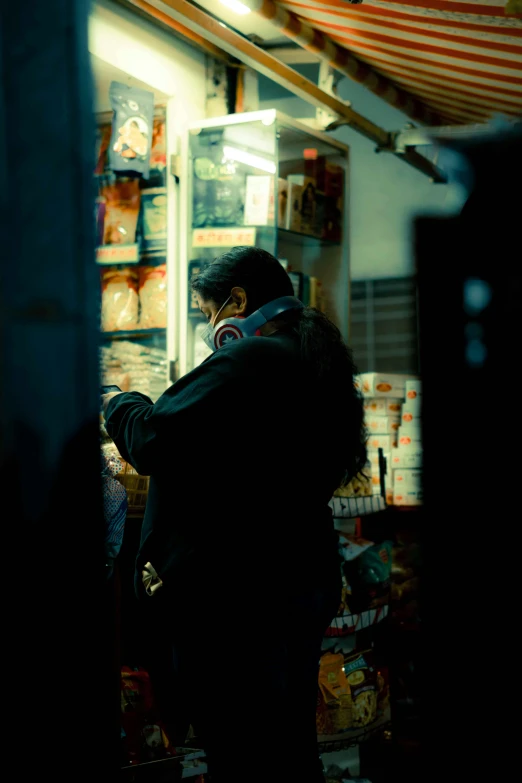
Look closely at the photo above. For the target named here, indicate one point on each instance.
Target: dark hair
(322, 346)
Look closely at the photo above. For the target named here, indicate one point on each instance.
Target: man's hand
(106, 398)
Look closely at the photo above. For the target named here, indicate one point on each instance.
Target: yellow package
(334, 713)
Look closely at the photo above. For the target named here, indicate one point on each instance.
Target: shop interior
(174, 186)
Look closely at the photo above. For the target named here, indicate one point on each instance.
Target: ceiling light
(236, 6)
(240, 156)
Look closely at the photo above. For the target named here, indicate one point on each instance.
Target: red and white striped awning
(458, 61)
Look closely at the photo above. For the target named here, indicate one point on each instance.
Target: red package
(143, 732)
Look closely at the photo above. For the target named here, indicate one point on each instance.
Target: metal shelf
(187, 764)
(132, 333)
(351, 508)
(348, 739)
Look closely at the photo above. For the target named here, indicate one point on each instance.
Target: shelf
(215, 237)
(309, 240)
(132, 333)
(335, 742)
(112, 255)
(348, 624)
(187, 764)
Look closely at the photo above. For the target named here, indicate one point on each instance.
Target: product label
(223, 237)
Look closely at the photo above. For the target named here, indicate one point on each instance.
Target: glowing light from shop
(236, 6)
(240, 156)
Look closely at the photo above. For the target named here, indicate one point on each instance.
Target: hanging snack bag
(158, 154)
(103, 139)
(153, 297)
(119, 299)
(362, 680)
(132, 127)
(122, 208)
(334, 713)
(154, 218)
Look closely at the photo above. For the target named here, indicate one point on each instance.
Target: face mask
(207, 335)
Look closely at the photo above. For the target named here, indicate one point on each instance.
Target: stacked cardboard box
(392, 417)
(406, 459)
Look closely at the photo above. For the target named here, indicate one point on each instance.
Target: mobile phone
(108, 389)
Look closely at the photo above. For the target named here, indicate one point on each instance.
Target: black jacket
(243, 456)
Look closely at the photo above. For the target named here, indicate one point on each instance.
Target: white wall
(152, 56)
(385, 193)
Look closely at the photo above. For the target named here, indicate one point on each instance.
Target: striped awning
(458, 61)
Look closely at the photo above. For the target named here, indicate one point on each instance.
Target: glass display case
(131, 225)
(266, 180)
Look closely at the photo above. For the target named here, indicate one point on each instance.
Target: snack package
(362, 680)
(369, 576)
(122, 208)
(132, 127)
(119, 309)
(334, 703)
(103, 139)
(158, 153)
(145, 738)
(153, 296)
(359, 486)
(154, 218)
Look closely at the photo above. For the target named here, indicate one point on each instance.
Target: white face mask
(207, 335)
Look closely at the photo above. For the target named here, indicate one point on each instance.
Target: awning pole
(258, 59)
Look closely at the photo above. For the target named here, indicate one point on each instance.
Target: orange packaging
(384, 406)
(382, 425)
(334, 707)
(378, 385)
(122, 207)
(119, 309)
(153, 297)
(413, 389)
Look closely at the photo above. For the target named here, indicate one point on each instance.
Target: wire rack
(348, 739)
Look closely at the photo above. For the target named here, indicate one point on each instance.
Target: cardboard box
(413, 406)
(384, 442)
(373, 459)
(413, 389)
(407, 487)
(382, 425)
(295, 194)
(329, 177)
(383, 407)
(407, 497)
(257, 200)
(407, 477)
(389, 493)
(409, 435)
(308, 203)
(410, 415)
(405, 458)
(378, 385)
(282, 203)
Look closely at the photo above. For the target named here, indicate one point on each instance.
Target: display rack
(134, 334)
(187, 764)
(348, 739)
